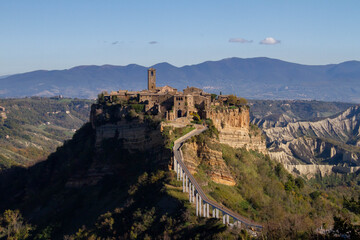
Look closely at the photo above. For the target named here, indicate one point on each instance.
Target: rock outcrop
(310, 150)
(136, 133)
(309, 171)
(281, 121)
(234, 129)
(125, 129)
(341, 128)
(195, 154)
(331, 141)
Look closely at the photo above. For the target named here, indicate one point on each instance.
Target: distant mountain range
(254, 78)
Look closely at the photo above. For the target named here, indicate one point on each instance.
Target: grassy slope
(35, 127)
(265, 192)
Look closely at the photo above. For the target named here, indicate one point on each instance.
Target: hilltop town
(171, 104)
(229, 114)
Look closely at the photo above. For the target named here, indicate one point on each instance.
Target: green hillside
(35, 127)
(288, 207)
(89, 191)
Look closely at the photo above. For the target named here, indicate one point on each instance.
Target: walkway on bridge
(196, 194)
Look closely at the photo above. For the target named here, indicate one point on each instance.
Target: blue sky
(61, 34)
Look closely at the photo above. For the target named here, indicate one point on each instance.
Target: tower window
(152, 73)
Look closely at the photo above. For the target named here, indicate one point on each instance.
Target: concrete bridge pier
(190, 192)
(217, 212)
(178, 172)
(183, 180)
(226, 219)
(186, 184)
(204, 209)
(197, 204)
(200, 205)
(193, 192)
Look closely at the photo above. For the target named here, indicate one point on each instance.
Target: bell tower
(151, 79)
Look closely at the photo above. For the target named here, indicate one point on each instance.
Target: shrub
(138, 107)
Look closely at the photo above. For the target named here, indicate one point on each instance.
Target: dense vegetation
(288, 207)
(36, 126)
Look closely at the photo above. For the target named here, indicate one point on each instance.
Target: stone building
(168, 101)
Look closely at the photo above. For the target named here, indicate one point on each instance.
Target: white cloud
(211, 88)
(270, 41)
(239, 40)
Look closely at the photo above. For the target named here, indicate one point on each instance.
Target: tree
(13, 226)
(101, 98)
(232, 99)
(242, 101)
(213, 96)
(114, 98)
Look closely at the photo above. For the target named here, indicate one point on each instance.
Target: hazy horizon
(60, 35)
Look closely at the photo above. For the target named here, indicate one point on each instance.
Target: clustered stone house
(168, 101)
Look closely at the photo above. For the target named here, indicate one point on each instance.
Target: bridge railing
(197, 195)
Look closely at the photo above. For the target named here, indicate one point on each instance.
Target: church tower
(151, 79)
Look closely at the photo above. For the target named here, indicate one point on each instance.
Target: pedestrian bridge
(204, 206)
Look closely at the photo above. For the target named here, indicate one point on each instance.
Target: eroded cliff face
(281, 121)
(195, 154)
(309, 171)
(319, 146)
(234, 129)
(311, 150)
(342, 128)
(135, 133)
(118, 132)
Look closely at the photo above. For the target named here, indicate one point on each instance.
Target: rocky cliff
(279, 121)
(331, 141)
(139, 133)
(196, 154)
(343, 128)
(136, 133)
(279, 113)
(121, 128)
(234, 129)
